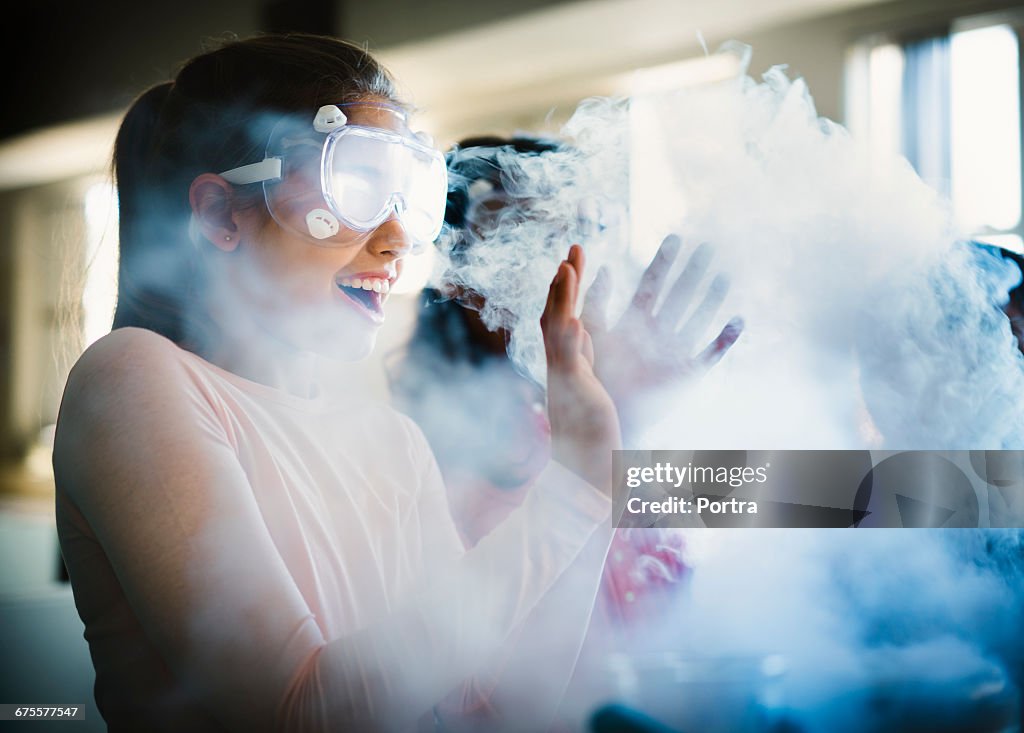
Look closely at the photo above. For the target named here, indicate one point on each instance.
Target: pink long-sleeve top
(246, 559)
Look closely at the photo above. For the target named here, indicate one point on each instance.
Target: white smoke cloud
(869, 324)
(844, 265)
(514, 264)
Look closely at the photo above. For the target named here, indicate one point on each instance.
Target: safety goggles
(355, 175)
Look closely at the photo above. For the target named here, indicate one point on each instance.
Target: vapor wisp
(870, 323)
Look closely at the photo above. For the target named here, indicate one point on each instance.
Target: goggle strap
(267, 169)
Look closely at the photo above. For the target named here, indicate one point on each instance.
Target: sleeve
(145, 459)
(522, 684)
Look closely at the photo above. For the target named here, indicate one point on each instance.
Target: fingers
(702, 315)
(563, 333)
(565, 292)
(722, 343)
(682, 291)
(577, 260)
(549, 305)
(595, 306)
(568, 289)
(548, 325)
(572, 329)
(654, 276)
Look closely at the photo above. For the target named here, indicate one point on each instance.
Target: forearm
(531, 677)
(386, 676)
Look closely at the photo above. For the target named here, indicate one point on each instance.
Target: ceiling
(506, 62)
(531, 59)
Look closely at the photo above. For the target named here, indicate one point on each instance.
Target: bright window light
(885, 90)
(99, 295)
(653, 214)
(985, 129)
(682, 74)
(1012, 242)
(873, 96)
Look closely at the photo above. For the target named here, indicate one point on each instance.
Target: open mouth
(369, 296)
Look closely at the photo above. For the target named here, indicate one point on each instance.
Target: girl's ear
(210, 197)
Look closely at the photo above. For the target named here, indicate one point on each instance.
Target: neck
(258, 356)
(242, 344)
(270, 362)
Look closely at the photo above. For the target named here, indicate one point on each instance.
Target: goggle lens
(354, 177)
(368, 173)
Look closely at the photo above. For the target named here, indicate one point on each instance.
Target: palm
(584, 422)
(653, 346)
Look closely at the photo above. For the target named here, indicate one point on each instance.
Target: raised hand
(584, 422)
(649, 350)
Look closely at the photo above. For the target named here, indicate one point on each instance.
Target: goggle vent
(329, 118)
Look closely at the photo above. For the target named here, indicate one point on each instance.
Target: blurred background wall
(908, 74)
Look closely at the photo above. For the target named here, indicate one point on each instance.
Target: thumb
(595, 307)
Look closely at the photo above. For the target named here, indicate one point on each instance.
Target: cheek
(303, 271)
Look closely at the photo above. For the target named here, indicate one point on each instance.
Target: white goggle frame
(415, 190)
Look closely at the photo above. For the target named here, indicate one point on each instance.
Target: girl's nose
(390, 239)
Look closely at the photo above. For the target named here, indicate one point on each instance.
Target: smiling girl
(252, 544)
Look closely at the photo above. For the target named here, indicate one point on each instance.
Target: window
(950, 103)
(986, 131)
(99, 294)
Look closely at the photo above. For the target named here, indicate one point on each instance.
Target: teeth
(372, 284)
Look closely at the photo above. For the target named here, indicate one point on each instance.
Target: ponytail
(212, 118)
(157, 267)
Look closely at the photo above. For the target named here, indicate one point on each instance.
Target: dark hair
(1017, 294)
(442, 337)
(447, 353)
(215, 115)
(479, 158)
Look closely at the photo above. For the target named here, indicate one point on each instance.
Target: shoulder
(125, 347)
(126, 397)
(125, 357)
(126, 370)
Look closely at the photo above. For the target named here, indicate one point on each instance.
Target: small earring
(227, 238)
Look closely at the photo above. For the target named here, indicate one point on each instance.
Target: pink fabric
(642, 580)
(644, 566)
(245, 559)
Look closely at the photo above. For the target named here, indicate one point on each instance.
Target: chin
(347, 347)
(330, 335)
